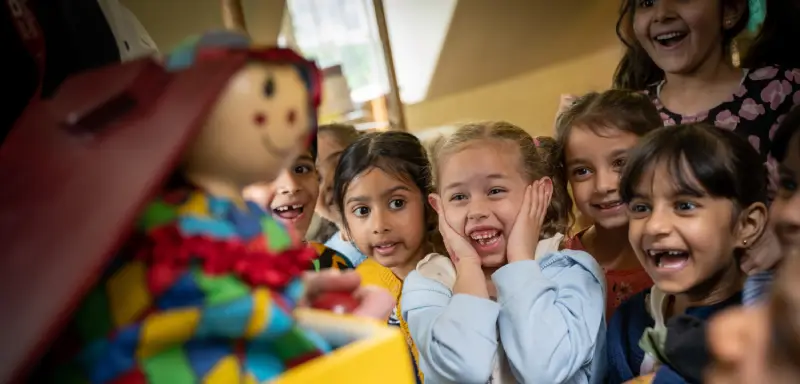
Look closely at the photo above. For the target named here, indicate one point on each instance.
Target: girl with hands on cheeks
(522, 241)
(507, 305)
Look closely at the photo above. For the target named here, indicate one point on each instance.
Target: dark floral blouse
(763, 99)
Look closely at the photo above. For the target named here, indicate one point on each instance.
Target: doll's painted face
(257, 128)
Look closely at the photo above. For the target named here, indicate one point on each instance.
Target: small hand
(458, 247)
(525, 233)
(374, 302)
(764, 255)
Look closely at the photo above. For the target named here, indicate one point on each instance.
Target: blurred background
(451, 60)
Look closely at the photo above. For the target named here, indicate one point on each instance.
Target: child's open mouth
(669, 259)
(670, 39)
(485, 239)
(385, 248)
(289, 212)
(608, 206)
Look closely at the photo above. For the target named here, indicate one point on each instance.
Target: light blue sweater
(549, 317)
(346, 248)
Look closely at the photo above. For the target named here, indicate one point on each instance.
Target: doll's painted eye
(269, 87)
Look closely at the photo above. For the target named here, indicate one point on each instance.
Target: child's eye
(646, 3)
(458, 197)
(581, 171)
(638, 207)
(495, 191)
(685, 206)
(788, 184)
(360, 211)
(619, 163)
(397, 204)
(302, 169)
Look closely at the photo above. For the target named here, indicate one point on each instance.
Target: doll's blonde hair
(533, 165)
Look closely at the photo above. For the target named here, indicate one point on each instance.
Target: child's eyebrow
(305, 156)
(388, 192)
(493, 176)
(785, 171)
(620, 151)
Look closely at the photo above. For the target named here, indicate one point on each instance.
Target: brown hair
(344, 134)
(636, 70)
(535, 165)
(623, 110)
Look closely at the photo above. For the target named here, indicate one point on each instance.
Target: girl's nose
(659, 223)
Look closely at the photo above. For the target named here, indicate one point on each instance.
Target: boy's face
(292, 196)
(785, 210)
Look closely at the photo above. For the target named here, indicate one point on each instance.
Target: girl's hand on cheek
(525, 233)
(458, 248)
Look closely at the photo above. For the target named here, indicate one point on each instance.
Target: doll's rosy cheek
(260, 118)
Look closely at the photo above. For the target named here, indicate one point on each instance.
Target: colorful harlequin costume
(202, 293)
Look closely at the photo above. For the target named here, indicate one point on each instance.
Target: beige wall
(171, 21)
(529, 100)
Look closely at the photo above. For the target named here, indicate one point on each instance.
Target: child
(680, 54)
(291, 199)
(785, 210)
(505, 309)
(696, 198)
(594, 136)
(380, 187)
(761, 344)
(333, 139)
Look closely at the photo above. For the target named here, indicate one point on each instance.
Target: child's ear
(434, 201)
(731, 13)
(752, 222)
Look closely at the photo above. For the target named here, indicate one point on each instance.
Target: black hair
(397, 153)
(636, 70)
(702, 160)
(789, 127)
(312, 146)
(776, 42)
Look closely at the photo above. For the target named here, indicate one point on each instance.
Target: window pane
(342, 32)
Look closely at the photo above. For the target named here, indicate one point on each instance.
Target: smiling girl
(680, 53)
(380, 187)
(696, 197)
(594, 136)
(504, 307)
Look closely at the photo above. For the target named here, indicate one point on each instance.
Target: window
(341, 32)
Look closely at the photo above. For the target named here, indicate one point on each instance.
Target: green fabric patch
(220, 289)
(169, 366)
(292, 344)
(277, 238)
(93, 317)
(156, 214)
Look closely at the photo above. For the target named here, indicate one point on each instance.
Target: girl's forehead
(376, 181)
(478, 163)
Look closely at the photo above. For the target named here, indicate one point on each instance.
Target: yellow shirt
(372, 273)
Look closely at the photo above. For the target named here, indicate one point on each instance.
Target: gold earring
(729, 23)
(744, 242)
